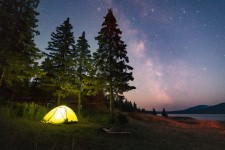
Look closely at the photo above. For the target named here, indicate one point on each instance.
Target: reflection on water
(218, 117)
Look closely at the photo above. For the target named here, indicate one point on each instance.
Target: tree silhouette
(110, 60)
(60, 60)
(135, 106)
(164, 114)
(154, 112)
(18, 52)
(83, 59)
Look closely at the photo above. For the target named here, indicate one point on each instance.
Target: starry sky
(176, 47)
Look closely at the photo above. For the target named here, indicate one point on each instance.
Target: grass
(148, 132)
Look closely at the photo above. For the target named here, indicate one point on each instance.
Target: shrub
(103, 116)
(118, 118)
(30, 111)
(122, 119)
(5, 112)
(94, 115)
(40, 112)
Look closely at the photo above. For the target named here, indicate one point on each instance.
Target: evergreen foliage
(154, 112)
(125, 106)
(135, 106)
(30, 111)
(164, 114)
(67, 68)
(18, 52)
(83, 59)
(111, 60)
(143, 110)
(59, 64)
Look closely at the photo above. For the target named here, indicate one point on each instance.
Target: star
(152, 9)
(184, 39)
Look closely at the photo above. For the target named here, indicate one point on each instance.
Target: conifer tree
(126, 105)
(154, 112)
(130, 107)
(47, 81)
(135, 106)
(61, 55)
(164, 114)
(43, 87)
(111, 60)
(83, 59)
(18, 52)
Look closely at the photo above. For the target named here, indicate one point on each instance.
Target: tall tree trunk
(58, 100)
(79, 102)
(79, 95)
(110, 98)
(2, 72)
(110, 82)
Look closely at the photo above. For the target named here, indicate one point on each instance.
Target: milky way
(176, 47)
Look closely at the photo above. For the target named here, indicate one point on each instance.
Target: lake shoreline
(147, 132)
(209, 117)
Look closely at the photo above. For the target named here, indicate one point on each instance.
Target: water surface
(215, 117)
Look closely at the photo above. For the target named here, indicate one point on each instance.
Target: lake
(216, 117)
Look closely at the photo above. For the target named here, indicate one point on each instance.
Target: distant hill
(197, 107)
(202, 109)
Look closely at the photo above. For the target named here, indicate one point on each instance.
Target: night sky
(176, 47)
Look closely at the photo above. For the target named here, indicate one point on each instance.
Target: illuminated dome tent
(60, 114)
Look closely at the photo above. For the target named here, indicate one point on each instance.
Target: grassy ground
(148, 132)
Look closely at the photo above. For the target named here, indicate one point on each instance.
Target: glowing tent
(60, 114)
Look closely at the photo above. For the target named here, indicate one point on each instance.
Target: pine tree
(135, 106)
(121, 105)
(154, 112)
(47, 81)
(111, 60)
(126, 105)
(164, 114)
(18, 52)
(83, 63)
(130, 107)
(60, 71)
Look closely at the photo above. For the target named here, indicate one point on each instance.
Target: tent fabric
(60, 114)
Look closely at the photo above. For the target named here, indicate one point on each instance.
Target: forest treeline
(68, 69)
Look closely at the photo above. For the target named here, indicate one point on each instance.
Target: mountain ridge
(197, 107)
(202, 109)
